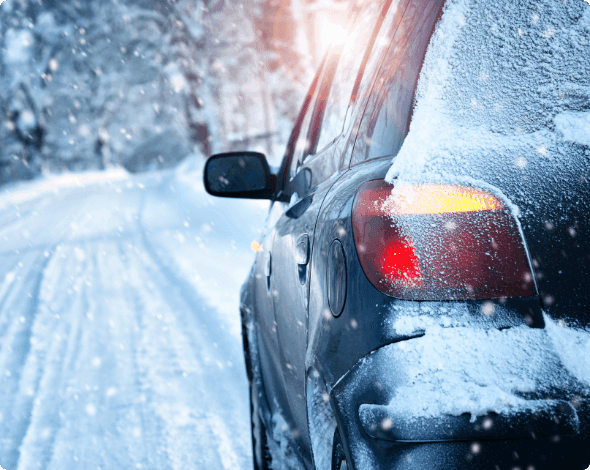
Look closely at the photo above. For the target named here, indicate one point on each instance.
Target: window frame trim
(376, 76)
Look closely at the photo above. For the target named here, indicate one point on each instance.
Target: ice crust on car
(321, 429)
(572, 345)
(282, 444)
(575, 127)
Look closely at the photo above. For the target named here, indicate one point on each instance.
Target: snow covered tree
(142, 83)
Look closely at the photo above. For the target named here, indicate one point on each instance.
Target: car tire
(260, 452)
(338, 455)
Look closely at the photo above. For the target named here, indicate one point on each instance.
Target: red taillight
(400, 263)
(439, 242)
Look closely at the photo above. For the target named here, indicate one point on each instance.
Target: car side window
(302, 143)
(348, 58)
(386, 121)
(300, 128)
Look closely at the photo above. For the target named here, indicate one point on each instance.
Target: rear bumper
(544, 418)
(540, 434)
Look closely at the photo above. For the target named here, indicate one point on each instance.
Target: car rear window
(385, 123)
(349, 57)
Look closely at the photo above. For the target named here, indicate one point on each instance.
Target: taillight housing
(439, 242)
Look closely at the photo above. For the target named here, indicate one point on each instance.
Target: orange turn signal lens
(439, 199)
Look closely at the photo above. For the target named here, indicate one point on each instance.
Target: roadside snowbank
(25, 191)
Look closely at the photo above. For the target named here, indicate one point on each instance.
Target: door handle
(268, 269)
(267, 264)
(302, 250)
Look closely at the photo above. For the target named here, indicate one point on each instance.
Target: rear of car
(420, 294)
(463, 341)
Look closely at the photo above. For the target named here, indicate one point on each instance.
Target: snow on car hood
(505, 86)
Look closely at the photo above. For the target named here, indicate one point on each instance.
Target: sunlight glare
(332, 34)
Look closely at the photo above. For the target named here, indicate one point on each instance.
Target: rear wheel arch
(339, 461)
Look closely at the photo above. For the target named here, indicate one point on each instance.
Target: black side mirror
(239, 174)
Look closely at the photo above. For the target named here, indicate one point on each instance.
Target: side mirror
(239, 174)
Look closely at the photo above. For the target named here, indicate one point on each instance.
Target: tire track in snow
(126, 366)
(87, 410)
(54, 226)
(154, 455)
(194, 371)
(55, 342)
(11, 279)
(42, 368)
(167, 407)
(17, 341)
(104, 426)
(22, 307)
(214, 342)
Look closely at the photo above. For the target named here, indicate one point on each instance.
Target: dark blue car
(421, 295)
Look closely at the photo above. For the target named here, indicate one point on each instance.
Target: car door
(311, 174)
(261, 283)
(289, 282)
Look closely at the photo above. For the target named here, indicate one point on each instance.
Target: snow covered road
(119, 325)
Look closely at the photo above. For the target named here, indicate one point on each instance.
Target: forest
(141, 84)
